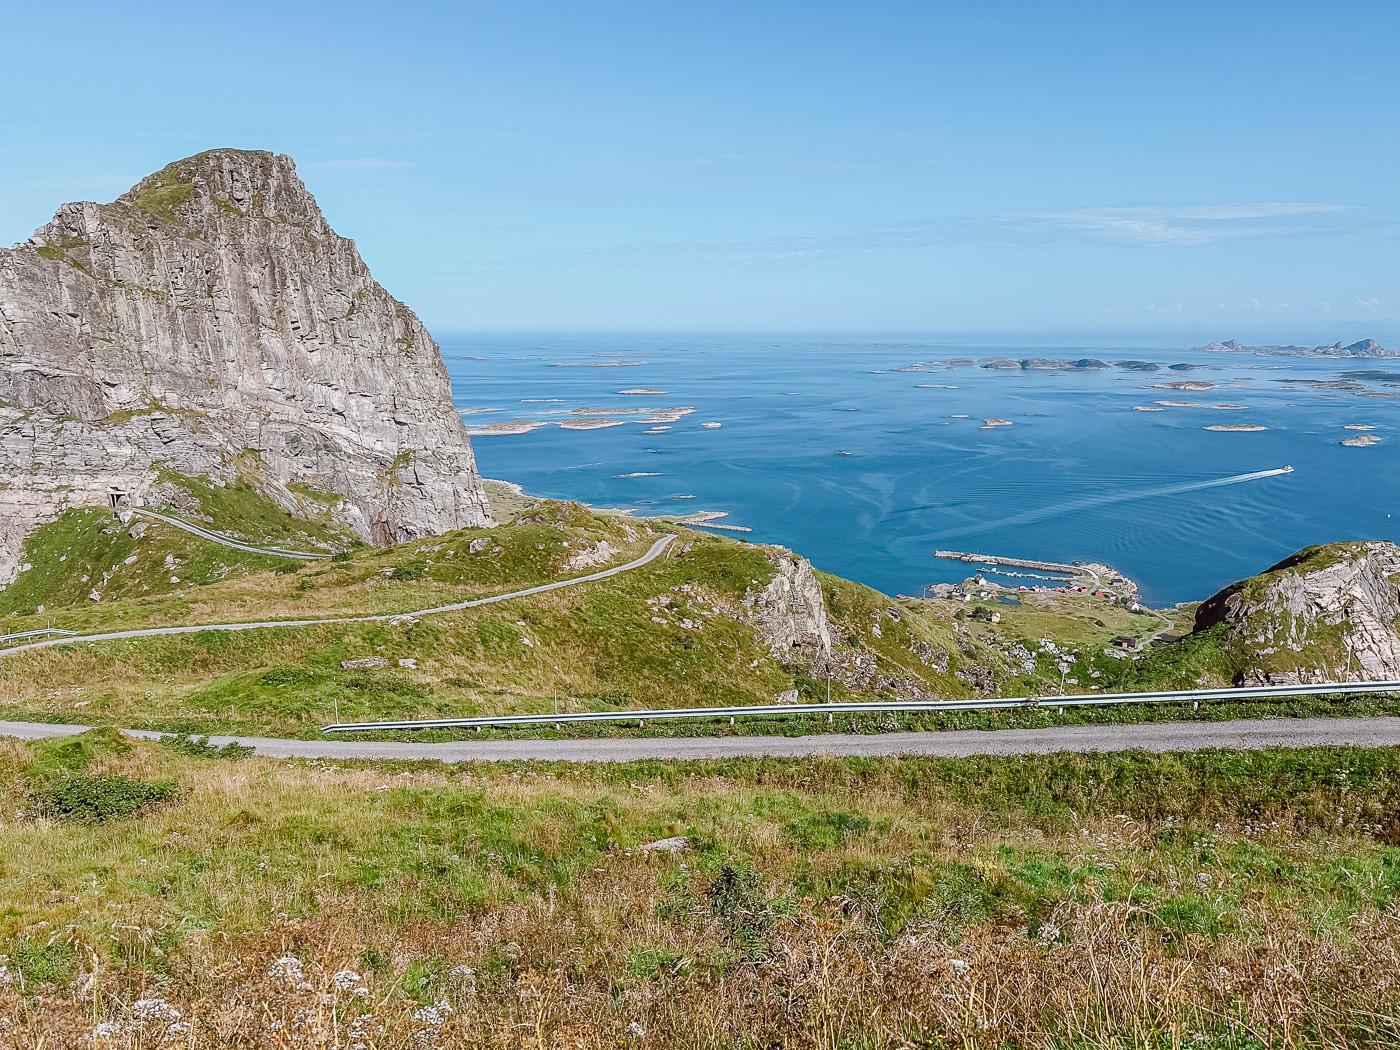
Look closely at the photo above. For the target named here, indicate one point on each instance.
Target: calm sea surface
(825, 448)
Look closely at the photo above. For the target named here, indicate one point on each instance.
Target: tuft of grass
(63, 756)
(163, 193)
(200, 747)
(43, 962)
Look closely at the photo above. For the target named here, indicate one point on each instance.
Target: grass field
(172, 897)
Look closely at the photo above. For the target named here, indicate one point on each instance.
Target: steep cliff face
(1326, 614)
(790, 612)
(210, 320)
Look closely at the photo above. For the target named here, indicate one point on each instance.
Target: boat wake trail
(1088, 502)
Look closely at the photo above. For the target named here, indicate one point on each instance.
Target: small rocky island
(1364, 348)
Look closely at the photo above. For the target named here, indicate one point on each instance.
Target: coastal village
(1106, 601)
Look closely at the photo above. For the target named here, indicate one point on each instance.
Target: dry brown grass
(1227, 901)
(557, 977)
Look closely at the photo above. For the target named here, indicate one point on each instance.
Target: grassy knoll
(1209, 900)
(674, 633)
(86, 571)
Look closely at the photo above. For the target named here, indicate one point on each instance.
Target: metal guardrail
(854, 707)
(37, 633)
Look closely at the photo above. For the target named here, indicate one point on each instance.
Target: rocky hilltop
(1325, 614)
(209, 321)
(1364, 348)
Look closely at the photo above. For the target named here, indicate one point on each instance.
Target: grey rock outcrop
(1326, 614)
(790, 612)
(211, 321)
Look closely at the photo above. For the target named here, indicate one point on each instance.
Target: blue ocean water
(828, 447)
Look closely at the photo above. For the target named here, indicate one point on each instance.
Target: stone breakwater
(1090, 574)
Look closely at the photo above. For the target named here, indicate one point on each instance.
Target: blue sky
(1216, 168)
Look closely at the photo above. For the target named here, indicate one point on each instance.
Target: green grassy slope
(675, 633)
(86, 552)
(84, 565)
(241, 510)
(217, 584)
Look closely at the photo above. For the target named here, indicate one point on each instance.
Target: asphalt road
(1247, 734)
(228, 541)
(657, 549)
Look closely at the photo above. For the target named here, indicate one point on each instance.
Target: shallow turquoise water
(1080, 474)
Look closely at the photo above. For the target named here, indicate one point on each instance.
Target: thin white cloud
(358, 163)
(1183, 224)
(1148, 225)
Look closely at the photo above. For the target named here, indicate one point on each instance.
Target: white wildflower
(288, 968)
(345, 980)
(959, 966)
(433, 1016)
(153, 1009)
(107, 1030)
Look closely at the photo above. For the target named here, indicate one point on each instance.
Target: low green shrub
(95, 797)
(200, 747)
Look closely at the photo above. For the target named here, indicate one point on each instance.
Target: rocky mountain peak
(207, 320)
